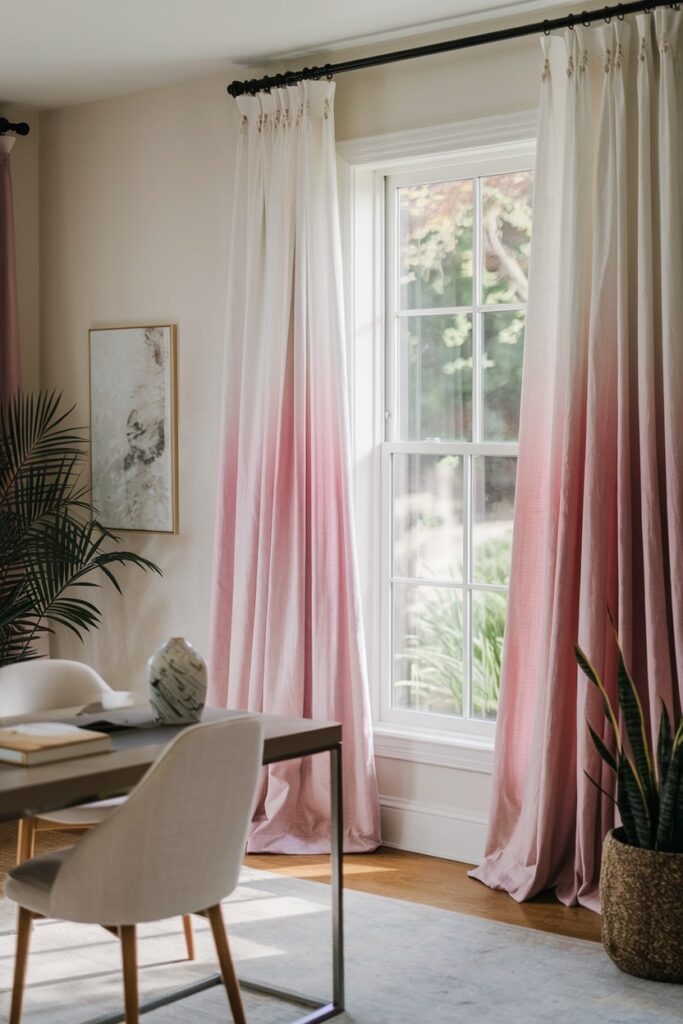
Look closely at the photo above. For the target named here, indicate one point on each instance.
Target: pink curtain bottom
(268, 838)
(506, 874)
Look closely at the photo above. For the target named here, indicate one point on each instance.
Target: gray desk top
(25, 792)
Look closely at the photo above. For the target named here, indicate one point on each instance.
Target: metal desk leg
(319, 1011)
(337, 879)
(325, 1011)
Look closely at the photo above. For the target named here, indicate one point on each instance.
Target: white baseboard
(433, 830)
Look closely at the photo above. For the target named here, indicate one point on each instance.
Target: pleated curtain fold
(287, 634)
(599, 509)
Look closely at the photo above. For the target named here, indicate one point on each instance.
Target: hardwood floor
(400, 875)
(437, 883)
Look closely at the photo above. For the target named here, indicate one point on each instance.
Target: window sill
(467, 753)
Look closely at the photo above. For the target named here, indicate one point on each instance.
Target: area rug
(405, 964)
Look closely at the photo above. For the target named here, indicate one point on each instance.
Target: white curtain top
(609, 47)
(280, 108)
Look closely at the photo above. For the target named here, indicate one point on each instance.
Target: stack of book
(41, 742)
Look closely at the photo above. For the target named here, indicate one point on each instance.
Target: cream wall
(497, 79)
(134, 222)
(135, 196)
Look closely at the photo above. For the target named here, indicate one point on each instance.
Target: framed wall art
(133, 423)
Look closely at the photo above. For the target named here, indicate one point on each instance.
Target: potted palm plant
(51, 543)
(641, 880)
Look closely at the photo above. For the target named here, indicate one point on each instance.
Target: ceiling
(58, 52)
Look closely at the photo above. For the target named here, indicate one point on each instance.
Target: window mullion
(386, 558)
(436, 311)
(477, 240)
(468, 517)
(391, 273)
(467, 579)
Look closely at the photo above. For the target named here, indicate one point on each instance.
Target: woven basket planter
(641, 892)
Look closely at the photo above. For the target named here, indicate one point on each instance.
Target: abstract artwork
(133, 427)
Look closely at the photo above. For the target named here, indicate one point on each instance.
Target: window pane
(488, 626)
(428, 645)
(494, 500)
(428, 516)
(435, 232)
(435, 378)
(506, 232)
(503, 345)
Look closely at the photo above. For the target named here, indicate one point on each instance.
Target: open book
(32, 743)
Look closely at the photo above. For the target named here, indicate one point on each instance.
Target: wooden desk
(29, 792)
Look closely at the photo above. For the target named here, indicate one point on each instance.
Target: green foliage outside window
(436, 356)
(436, 260)
(432, 661)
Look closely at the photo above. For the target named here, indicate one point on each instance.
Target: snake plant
(649, 783)
(50, 539)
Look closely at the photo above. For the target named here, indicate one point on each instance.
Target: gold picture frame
(134, 426)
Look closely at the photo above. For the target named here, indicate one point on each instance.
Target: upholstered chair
(46, 684)
(174, 847)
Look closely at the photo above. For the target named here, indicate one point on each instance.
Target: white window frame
(464, 149)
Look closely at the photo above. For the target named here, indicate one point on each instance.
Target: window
(435, 229)
(457, 250)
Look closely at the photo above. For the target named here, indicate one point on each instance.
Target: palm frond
(33, 433)
(50, 538)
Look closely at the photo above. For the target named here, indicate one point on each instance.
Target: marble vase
(176, 677)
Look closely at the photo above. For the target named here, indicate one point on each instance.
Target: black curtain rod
(21, 128)
(254, 85)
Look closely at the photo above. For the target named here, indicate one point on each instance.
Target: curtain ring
(327, 68)
(585, 20)
(570, 22)
(620, 12)
(607, 17)
(546, 28)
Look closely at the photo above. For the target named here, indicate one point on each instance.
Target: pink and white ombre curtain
(10, 362)
(599, 513)
(287, 635)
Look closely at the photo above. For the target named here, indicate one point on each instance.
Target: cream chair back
(176, 845)
(46, 683)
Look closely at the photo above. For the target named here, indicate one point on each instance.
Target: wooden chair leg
(24, 923)
(130, 972)
(230, 981)
(26, 838)
(189, 936)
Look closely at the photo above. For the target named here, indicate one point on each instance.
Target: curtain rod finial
(21, 128)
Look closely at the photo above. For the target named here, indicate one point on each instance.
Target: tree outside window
(460, 261)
